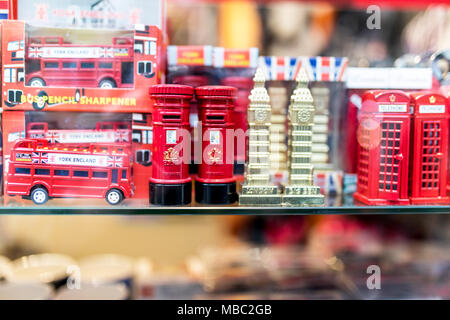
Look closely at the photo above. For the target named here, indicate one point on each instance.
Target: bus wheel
(107, 84)
(36, 82)
(41, 101)
(114, 196)
(39, 196)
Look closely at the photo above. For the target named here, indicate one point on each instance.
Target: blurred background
(277, 256)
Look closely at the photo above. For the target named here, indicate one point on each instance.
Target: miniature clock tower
(257, 189)
(300, 190)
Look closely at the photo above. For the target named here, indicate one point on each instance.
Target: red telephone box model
(215, 183)
(428, 183)
(40, 171)
(244, 86)
(170, 183)
(54, 62)
(383, 141)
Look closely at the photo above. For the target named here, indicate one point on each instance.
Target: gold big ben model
(257, 189)
(300, 190)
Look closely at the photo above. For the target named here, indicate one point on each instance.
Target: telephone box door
(393, 149)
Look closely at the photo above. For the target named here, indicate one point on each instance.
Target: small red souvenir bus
(39, 171)
(53, 62)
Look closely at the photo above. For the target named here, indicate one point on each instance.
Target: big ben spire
(300, 190)
(257, 189)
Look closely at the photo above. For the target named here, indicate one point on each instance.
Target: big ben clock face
(304, 116)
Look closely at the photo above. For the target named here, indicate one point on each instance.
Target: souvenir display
(327, 76)
(429, 151)
(63, 70)
(170, 183)
(257, 189)
(384, 148)
(188, 118)
(39, 172)
(403, 155)
(215, 182)
(300, 190)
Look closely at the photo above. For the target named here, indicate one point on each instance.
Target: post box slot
(171, 117)
(215, 118)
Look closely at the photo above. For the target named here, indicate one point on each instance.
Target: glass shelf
(334, 206)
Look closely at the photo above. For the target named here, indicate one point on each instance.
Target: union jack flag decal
(106, 52)
(52, 137)
(34, 52)
(122, 136)
(327, 68)
(39, 157)
(114, 161)
(318, 68)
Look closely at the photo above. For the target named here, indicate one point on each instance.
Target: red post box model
(429, 157)
(193, 81)
(170, 183)
(215, 183)
(244, 86)
(383, 142)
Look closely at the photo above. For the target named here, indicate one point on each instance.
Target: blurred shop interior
(276, 257)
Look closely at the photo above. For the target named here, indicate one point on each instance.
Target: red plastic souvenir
(40, 171)
(215, 183)
(429, 153)
(244, 86)
(55, 62)
(109, 73)
(170, 183)
(193, 81)
(384, 142)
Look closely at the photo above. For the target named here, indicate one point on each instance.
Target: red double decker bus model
(40, 72)
(54, 62)
(39, 171)
(105, 132)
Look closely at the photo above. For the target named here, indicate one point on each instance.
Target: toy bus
(47, 72)
(40, 171)
(54, 62)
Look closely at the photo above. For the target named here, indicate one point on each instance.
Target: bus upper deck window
(81, 173)
(42, 172)
(51, 65)
(99, 174)
(69, 65)
(63, 173)
(105, 65)
(23, 171)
